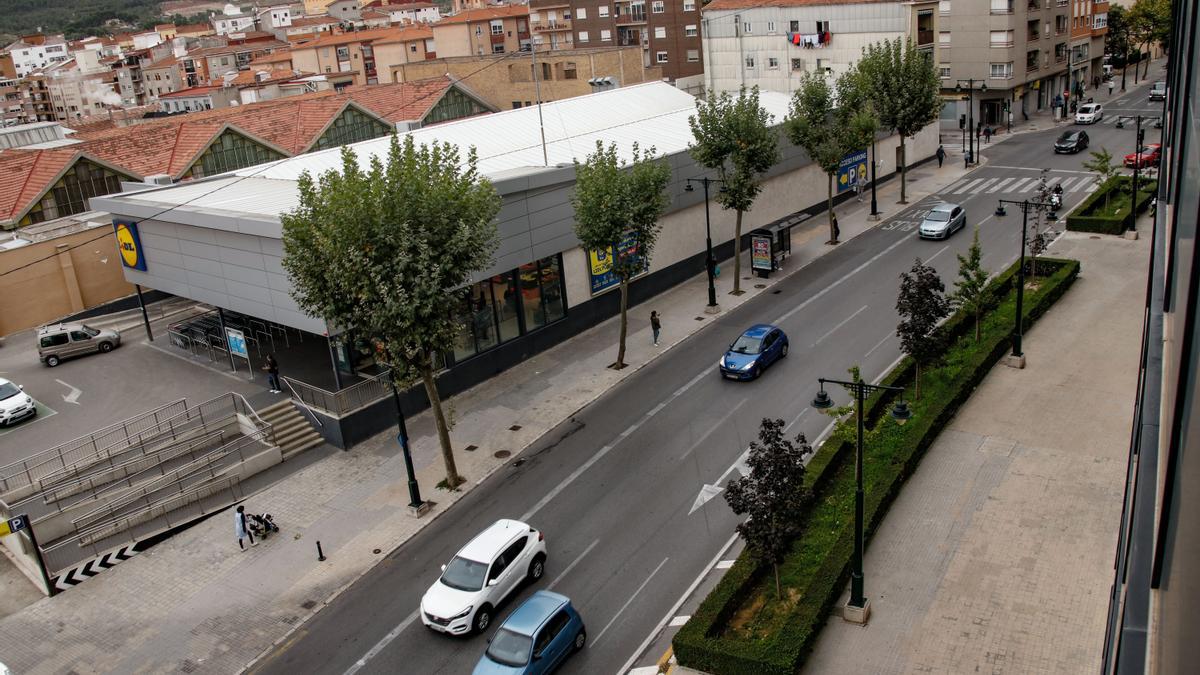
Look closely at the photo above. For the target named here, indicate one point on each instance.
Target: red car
(1146, 156)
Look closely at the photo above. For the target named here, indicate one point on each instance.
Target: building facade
(354, 55)
(413, 12)
(499, 29)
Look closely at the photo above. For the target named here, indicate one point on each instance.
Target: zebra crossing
(1015, 185)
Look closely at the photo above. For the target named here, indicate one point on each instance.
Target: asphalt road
(613, 487)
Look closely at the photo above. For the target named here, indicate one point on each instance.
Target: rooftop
(372, 35)
(485, 14)
(718, 5)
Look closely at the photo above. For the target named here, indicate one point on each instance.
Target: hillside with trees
(74, 18)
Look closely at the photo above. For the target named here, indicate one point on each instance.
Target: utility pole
(537, 92)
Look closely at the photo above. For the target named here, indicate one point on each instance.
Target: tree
(1041, 222)
(734, 137)
(922, 304)
(1116, 39)
(773, 495)
(385, 251)
(826, 130)
(614, 204)
(903, 86)
(1149, 23)
(1102, 163)
(971, 289)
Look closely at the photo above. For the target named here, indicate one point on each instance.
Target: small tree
(1037, 240)
(827, 128)
(384, 250)
(904, 88)
(773, 495)
(922, 304)
(614, 203)
(971, 289)
(734, 136)
(1102, 163)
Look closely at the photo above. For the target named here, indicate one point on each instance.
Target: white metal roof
(652, 114)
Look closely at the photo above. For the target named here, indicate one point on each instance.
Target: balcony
(1002, 7)
(497, 38)
(1032, 35)
(632, 18)
(1032, 61)
(924, 37)
(551, 25)
(1035, 5)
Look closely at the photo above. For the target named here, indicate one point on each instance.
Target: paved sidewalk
(196, 603)
(997, 556)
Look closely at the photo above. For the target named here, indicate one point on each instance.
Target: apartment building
(499, 29)
(1018, 55)
(35, 51)
(352, 58)
(414, 12)
(771, 44)
(232, 22)
(668, 31)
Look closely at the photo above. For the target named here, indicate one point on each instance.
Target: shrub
(1092, 216)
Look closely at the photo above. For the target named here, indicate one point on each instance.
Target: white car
(481, 575)
(15, 404)
(1089, 113)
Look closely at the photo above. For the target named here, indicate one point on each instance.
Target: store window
(492, 312)
(508, 308)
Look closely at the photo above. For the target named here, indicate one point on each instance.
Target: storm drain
(515, 427)
(308, 604)
(502, 454)
(471, 448)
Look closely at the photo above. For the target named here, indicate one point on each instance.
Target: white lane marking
(1001, 184)
(789, 426)
(881, 343)
(953, 187)
(679, 620)
(843, 322)
(1092, 187)
(382, 644)
(628, 602)
(791, 312)
(725, 564)
(983, 186)
(675, 608)
(714, 428)
(940, 251)
(1084, 184)
(1066, 182)
(644, 670)
(968, 186)
(570, 567)
(1033, 168)
(73, 395)
(1018, 186)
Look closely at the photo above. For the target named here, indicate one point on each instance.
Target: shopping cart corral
(201, 335)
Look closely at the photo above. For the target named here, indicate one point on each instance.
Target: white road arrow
(72, 397)
(707, 492)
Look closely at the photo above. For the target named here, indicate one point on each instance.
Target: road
(612, 488)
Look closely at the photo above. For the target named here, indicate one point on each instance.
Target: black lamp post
(1139, 141)
(900, 412)
(874, 162)
(958, 87)
(713, 307)
(415, 502)
(1017, 354)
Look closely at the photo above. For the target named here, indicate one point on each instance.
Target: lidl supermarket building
(218, 240)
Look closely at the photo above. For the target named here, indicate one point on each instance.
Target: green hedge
(1086, 216)
(818, 567)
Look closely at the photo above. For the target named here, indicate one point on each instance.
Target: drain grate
(188, 666)
(502, 454)
(699, 318)
(471, 448)
(776, 292)
(309, 604)
(760, 285)
(515, 427)
(376, 551)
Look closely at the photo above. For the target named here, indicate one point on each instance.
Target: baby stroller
(261, 525)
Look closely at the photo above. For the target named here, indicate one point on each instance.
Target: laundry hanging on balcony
(810, 40)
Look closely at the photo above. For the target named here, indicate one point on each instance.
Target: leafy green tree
(613, 202)
(773, 495)
(1102, 163)
(1150, 23)
(904, 88)
(387, 250)
(922, 304)
(827, 131)
(734, 137)
(971, 289)
(1117, 39)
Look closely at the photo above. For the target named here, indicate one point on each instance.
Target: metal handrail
(341, 402)
(302, 403)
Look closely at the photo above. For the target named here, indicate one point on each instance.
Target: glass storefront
(494, 311)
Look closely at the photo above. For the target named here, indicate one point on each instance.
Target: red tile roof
(190, 91)
(303, 21)
(407, 34)
(745, 4)
(28, 174)
(371, 35)
(485, 14)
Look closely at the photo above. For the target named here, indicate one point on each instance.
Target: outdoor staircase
(293, 432)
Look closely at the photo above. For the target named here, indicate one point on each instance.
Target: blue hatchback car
(760, 346)
(537, 637)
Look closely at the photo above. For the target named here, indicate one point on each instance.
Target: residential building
(194, 30)
(306, 25)
(350, 58)
(498, 29)
(414, 12)
(166, 31)
(35, 51)
(163, 77)
(1023, 51)
(561, 74)
(146, 40)
(232, 20)
(771, 44)
(345, 10)
(273, 17)
(315, 7)
(668, 31)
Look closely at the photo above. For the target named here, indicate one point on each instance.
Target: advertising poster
(851, 171)
(760, 253)
(130, 245)
(601, 264)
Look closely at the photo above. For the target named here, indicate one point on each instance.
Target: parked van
(64, 340)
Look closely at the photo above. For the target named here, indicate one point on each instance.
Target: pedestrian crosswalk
(1015, 185)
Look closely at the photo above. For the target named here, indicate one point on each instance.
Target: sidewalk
(196, 603)
(997, 555)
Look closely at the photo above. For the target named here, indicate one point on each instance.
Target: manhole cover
(376, 551)
(515, 427)
(309, 604)
(760, 285)
(502, 454)
(471, 448)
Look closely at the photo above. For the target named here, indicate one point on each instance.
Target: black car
(1071, 142)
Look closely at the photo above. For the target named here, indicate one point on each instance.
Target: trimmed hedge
(1085, 219)
(818, 566)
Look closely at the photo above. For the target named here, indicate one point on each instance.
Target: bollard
(320, 553)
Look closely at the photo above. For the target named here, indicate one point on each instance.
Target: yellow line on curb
(664, 661)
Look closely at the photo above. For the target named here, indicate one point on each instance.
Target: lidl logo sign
(130, 245)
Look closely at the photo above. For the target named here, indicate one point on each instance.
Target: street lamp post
(1018, 356)
(415, 503)
(711, 264)
(974, 147)
(874, 162)
(857, 609)
(1139, 140)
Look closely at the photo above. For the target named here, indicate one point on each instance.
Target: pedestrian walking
(272, 368)
(941, 156)
(656, 326)
(987, 134)
(241, 528)
(837, 231)
(1111, 84)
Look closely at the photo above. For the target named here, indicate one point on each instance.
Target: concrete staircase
(293, 432)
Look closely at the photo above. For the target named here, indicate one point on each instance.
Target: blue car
(760, 346)
(537, 637)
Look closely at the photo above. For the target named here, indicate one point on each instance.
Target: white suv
(15, 404)
(482, 575)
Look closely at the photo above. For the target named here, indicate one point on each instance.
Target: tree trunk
(833, 237)
(917, 381)
(778, 586)
(737, 255)
(624, 322)
(978, 312)
(903, 171)
(1147, 73)
(443, 430)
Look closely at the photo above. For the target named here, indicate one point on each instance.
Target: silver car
(942, 221)
(64, 340)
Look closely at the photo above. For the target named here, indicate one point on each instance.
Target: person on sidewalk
(656, 326)
(1111, 84)
(987, 134)
(241, 528)
(272, 368)
(837, 231)
(941, 155)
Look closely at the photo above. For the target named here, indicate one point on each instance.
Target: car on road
(63, 340)
(1158, 91)
(481, 575)
(943, 220)
(1089, 113)
(761, 345)
(1071, 142)
(1147, 155)
(15, 404)
(536, 638)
